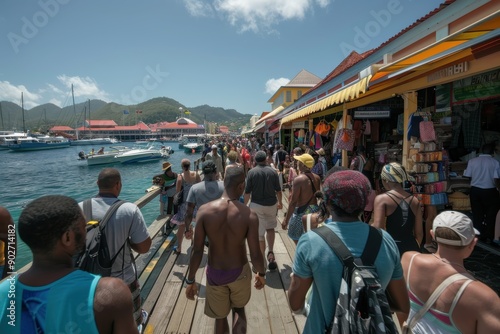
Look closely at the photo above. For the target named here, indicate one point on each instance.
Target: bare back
(227, 224)
(477, 310)
(304, 187)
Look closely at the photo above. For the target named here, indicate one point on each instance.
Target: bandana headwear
(347, 189)
(393, 172)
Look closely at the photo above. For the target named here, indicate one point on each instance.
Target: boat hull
(95, 141)
(37, 146)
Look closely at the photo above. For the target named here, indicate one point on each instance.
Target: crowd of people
(236, 204)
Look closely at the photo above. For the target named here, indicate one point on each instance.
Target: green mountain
(160, 109)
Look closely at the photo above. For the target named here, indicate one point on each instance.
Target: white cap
(214, 146)
(457, 222)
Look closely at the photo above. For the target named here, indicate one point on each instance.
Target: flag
(138, 111)
(125, 112)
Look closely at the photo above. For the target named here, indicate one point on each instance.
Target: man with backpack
(125, 231)
(52, 296)
(317, 264)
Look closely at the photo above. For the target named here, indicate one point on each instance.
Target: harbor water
(25, 176)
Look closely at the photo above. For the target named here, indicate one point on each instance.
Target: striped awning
(348, 93)
(271, 114)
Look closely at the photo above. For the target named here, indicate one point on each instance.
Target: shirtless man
(61, 298)
(466, 305)
(229, 225)
(303, 198)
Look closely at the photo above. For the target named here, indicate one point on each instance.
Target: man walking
(125, 231)
(315, 263)
(229, 226)
(484, 172)
(52, 296)
(217, 159)
(201, 193)
(263, 187)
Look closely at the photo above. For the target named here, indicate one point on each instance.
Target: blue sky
(224, 53)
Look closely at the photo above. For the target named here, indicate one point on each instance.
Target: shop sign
(449, 71)
(299, 125)
(478, 86)
(372, 113)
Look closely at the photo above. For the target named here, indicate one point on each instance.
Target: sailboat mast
(90, 129)
(22, 108)
(1, 116)
(74, 112)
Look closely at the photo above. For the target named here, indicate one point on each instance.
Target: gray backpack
(95, 258)
(362, 305)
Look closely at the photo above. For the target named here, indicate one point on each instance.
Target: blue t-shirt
(63, 306)
(314, 258)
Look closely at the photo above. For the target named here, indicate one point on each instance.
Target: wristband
(189, 282)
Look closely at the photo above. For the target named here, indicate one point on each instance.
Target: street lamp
(180, 112)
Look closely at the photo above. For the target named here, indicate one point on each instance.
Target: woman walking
(185, 181)
(398, 211)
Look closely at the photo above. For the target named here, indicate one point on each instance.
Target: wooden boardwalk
(163, 290)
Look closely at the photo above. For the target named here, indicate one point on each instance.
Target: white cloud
(83, 86)
(272, 85)
(198, 8)
(12, 93)
(261, 15)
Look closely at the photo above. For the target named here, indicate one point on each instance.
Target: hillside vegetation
(161, 109)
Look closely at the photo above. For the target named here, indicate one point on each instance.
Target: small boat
(108, 157)
(138, 155)
(92, 141)
(193, 148)
(38, 143)
(166, 151)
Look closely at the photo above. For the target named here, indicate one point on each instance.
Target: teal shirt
(64, 306)
(314, 258)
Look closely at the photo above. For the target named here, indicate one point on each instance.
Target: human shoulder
(111, 292)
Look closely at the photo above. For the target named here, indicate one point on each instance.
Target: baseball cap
(208, 167)
(306, 159)
(458, 223)
(214, 146)
(260, 156)
(347, 189)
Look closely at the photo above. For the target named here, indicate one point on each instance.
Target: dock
(161, 274)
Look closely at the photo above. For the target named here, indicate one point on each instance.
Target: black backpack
(362, 305)
(95, 258)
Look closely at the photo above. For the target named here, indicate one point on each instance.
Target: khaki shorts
(267, 217)
(221, 299)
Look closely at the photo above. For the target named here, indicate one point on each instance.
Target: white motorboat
(108, 157)
(138, 155)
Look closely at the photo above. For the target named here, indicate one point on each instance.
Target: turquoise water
(25, 176)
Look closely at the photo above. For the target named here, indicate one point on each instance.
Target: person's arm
(8, 236)
(293, 202)
(398, 296)
(178, 184)
(142, 247)
(418, 229)
(196, 254)
(379, 212)
(297, 292)
(279, 194)
(486, 308)
(113, 307)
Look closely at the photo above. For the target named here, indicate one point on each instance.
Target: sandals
(176, 250)
(271, 261)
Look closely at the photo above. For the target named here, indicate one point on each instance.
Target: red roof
(101, 123)
(223, 129)
(61, 128)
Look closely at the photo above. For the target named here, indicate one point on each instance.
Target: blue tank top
(64, 306)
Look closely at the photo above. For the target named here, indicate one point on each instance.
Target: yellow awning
(442, 48)
(348, 93)
(271, 114)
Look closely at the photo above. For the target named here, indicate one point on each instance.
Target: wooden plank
(202, 323)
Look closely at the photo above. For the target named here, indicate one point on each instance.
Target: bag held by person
(95, 258)
(362, 305)
(179, 197)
